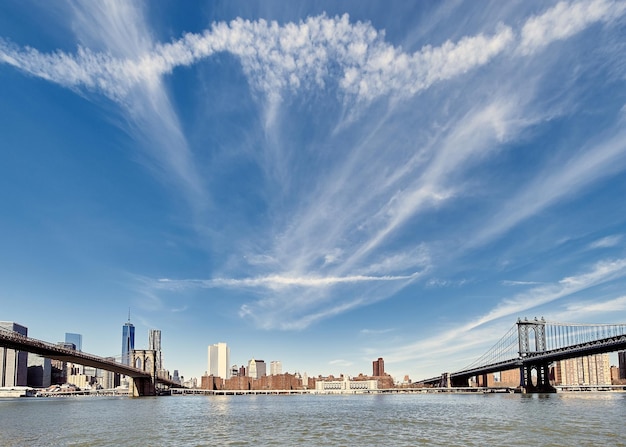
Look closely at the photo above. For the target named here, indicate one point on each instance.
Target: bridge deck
(18, 342)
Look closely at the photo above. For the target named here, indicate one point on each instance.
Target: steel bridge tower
(532, 340)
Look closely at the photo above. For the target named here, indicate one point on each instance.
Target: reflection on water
(309, 420)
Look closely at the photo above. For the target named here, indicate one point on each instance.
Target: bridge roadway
(18, 342)
(601, 346)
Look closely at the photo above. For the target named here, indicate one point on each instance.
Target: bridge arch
(531, 335)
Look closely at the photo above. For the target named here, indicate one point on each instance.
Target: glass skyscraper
(75, 339)
(128, 341)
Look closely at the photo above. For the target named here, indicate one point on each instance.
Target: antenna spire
(129, 314)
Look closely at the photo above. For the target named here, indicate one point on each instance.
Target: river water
(565, 419)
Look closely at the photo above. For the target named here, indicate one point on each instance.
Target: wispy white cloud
(276, 281)
(518, 283)
(375, 331)
(340, 362)
(439, 282)
(564, 20)
(288, 57)
(586, 309)
(179, 309)
(607, 242)
(336, 239)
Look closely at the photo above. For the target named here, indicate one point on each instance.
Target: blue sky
(321, 183)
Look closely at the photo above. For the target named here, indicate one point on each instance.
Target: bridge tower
(144, 359)
(532, 340)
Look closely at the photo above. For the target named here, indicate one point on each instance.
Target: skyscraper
(75, 339)
(276, 368)
(154, 343)
(378, 367)
(128, 340)
(621, 358)
(257, 369)
(219, 360)
(13, 364)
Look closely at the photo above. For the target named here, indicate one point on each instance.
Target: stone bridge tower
(145, 360)
(532, 340)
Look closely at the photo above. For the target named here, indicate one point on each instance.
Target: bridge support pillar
(138, 387)
(542, 385)
(143, 359)
(459, 382)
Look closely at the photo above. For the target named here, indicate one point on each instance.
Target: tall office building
(621, 358)
(257, 369)
(219, 360)
(378, 367)
(276, 368)
(128, 341)
(154, 343)
(75, 339)
(13, 364)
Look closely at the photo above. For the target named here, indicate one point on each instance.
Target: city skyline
(321, 183)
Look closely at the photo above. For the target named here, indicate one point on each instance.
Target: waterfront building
(219, 360)
(128, 341)
(256, 368)
(39, 371)
(378, 367)
(191, 383)
(589, 370)
(615, 380)
(621, 357)
(344, 385)
(154, 344)
(283, 381)
(75, 339)
(276, 368)
(82, 381)
(508, 378)
(13, 364)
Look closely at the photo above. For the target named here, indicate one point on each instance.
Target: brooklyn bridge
(141, 368)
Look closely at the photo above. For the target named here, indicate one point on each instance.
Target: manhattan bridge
(531, 346)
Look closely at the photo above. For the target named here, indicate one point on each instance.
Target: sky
(320, 183)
